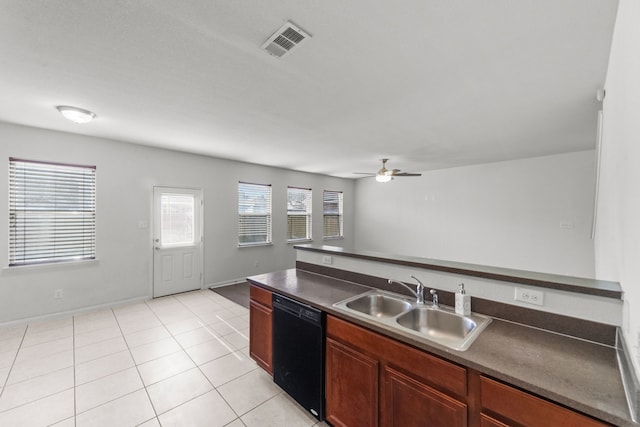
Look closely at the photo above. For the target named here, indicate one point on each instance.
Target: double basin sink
(440, 325)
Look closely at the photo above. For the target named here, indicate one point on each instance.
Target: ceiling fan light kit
(386, 175)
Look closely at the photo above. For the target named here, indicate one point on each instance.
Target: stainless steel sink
(404, 316)
(379, 305)
(437, 322)
(444, 326)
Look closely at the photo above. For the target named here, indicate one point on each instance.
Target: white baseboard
(226, 283)
(75, 312)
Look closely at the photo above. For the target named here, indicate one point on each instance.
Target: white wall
(505, 214)
(126, 175)
(617, 243)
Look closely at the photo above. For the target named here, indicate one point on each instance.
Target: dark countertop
(578, 374)
(582, 285)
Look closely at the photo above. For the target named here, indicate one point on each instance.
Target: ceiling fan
(386, 175)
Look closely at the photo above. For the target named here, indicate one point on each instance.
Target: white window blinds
(332, 214)
(298, 213)
(254, 214)
(52, 212)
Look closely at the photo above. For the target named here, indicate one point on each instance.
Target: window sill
(296, 241)
(253, 245)
(333, 238)
(50, 266)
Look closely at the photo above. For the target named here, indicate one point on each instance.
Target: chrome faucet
(419, 292)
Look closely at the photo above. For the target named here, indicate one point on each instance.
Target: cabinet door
(408, 402)
(351, 387)
(260, 340)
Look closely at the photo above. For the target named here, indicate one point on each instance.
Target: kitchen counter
(579, 374)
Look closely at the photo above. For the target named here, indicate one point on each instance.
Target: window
(332, 214)
(52, 212)
(298, 214)
(177, 220)
(254, 214)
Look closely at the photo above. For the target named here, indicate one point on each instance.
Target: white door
(177, 259)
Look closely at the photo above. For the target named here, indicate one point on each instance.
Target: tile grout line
(187, 305)
(15, 357)
(137, 370)
(250, 372)
(40, 398)
(198, 366)
(246, 373)
(35, 376)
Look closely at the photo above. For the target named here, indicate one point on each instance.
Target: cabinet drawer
(260, 295)
(528, 410)
(486, 421)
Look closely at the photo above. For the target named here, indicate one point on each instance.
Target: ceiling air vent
(285, 40)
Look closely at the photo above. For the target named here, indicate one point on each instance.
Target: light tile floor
(180, 360)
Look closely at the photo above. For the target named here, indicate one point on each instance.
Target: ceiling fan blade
(406, 174)
(364, 173)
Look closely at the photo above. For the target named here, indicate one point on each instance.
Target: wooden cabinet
(352, 386)
(503, 405)
(409, 402)
(372, 380)
(260, 328)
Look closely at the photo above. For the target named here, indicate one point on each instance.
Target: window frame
(308, 214)
(52, 213)
(267, 213)
(339, 215)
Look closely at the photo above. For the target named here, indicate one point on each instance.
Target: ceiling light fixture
(383, 177)
(75, 114)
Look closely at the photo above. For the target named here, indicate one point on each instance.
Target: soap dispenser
(463, 301)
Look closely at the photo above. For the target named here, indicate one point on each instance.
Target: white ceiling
(427, 83)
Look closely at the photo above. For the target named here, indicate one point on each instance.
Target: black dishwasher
(298, 352)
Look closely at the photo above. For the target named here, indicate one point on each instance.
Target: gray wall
(126, 175)
(513, 214)
(618, 219)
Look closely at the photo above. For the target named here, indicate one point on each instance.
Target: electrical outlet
(566, 225)
(57, 294)
(529, 296)
(326, 259)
